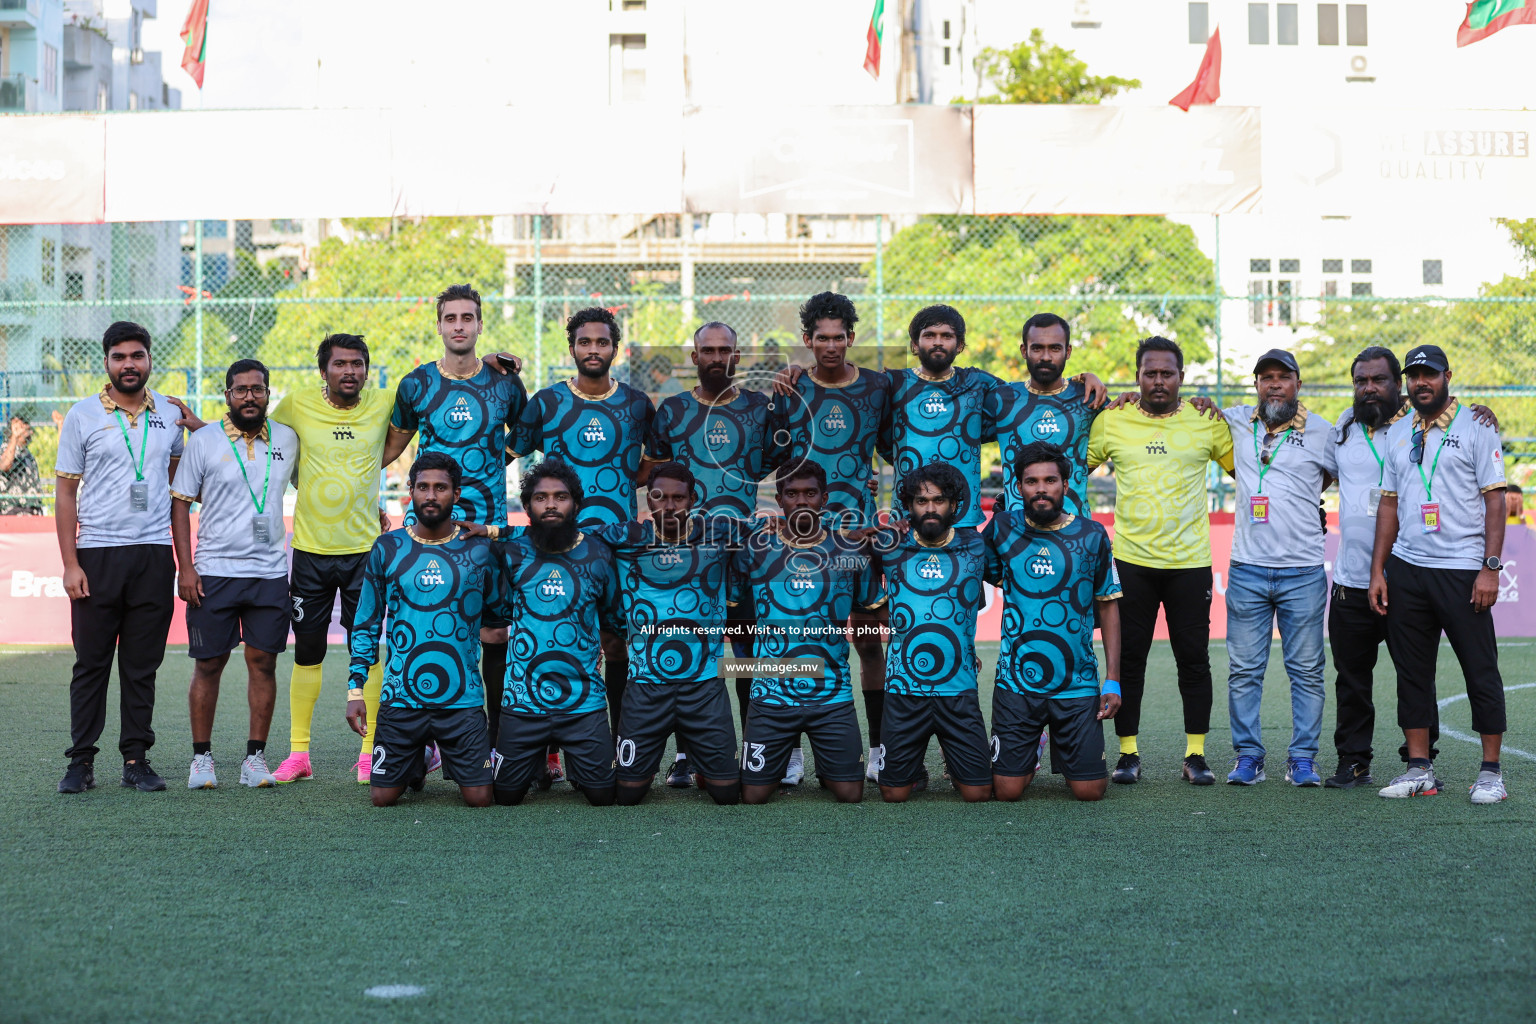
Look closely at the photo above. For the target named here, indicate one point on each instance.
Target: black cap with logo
(1278, 355)
(1429, 356)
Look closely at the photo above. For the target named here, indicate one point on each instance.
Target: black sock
(1490, 766)
(874, 710)
(1420, 762)
(493, 673)
(201, 748)
(682, 751)
(255, 747)
(615, 676)
(743, 698)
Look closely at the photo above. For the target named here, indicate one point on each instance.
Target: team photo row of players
(599, 630)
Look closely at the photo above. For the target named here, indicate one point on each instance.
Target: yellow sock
(1127, 744)
(303, 695)
(372, 687)
(1194, 743)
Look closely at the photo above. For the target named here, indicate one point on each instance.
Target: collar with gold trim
(936, 544)
(1401, 412)
(782, 529)
(613, 386)
(1062, 522)
(727, 396)
(234, 434)
(1160, 415)
(930, 378)
(811, 373)
(411, 531)
(325, 393)
(1443, 421)
(457, 376)
(109, 404)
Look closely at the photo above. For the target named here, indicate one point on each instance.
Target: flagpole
(197, 306)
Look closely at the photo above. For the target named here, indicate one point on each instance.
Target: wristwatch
(1492, 562)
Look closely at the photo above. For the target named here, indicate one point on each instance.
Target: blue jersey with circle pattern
(674, 596)
(555, 602)
(1050, 580)
(935, 595)
(839, 428)
(802, 594)
(1017, 416)
(940, 421)
(602, 439)
(432, 596)
(725, 444)
(467, 418)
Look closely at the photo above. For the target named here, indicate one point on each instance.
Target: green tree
(1115, 279)
(1036, 71)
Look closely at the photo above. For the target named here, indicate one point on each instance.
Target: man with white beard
(1281, 454)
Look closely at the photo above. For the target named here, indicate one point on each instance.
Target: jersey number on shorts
(626, 752)
(379, 754)
(752, 759)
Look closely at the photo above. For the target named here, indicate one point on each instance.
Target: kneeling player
(555, 582)
(804, 582)
(1056, 570)
(933, 578)
(672, 583)
(433, 578)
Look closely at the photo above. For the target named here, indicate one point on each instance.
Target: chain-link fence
(214, 291)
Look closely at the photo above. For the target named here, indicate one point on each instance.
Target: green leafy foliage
(1035, 71)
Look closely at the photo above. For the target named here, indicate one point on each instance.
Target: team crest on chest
(553, 585)
(460, 413)
(934, 406)
(801, 585)
(431, 576)
(1046, 425)
(931, 568)
(593, 432)
(834, 421)
(1040, 565)
(665, 559)
(717, 435)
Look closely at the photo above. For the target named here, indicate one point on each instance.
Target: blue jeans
(1257, 597)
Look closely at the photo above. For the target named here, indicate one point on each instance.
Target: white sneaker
(875, 762)
(796, 770)
(201, 776)
(1413, 782)
(253, 772)
(1489, 788)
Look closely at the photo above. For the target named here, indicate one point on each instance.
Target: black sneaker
(680, 777)
(1197, 772)
(140, 776)
(1127, 769)
(1350, 775)
(78, 778)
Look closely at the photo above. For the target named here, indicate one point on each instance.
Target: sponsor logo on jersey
(1157, 446)
(668, 558)
(934, 406)
(834, 421)
(460, 413)
(1039, 565)
(717, 436)
(553, 585)
(432, 575)
(1046, 425)
(343, 434)
(801, 585)
(593, 432)
(931, 568)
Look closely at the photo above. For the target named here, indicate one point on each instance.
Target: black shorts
(739, 620)
(908, 724)
(523, 740)
(773, 731)
(312, 590)
(700, 713)
(235, 611)
(399, 745)
(1077, 735)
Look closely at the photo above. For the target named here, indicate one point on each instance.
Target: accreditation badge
(261, 530)
(1258, 509)
(138, 496)
(1372, 501)
(1429, 516)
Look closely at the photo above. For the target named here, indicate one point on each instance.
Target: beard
(932, 528)
(433, 516)
(130, 388)
(1043, 516)
(1438, 397)
(1045, 375)
(1275, 411)
(558, 535)
(1373, 412)
(247, 424)
(594, 373)
(935, 361)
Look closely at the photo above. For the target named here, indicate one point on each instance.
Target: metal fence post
(880, 291)
(1221, 484)
(538, 303)
(197, 306)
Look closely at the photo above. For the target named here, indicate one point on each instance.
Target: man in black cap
(1281, 455)
(1439, 533)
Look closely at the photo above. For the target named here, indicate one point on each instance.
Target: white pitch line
(1443, 702)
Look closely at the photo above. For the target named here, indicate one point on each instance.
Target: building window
(946, 28)
(50, 70)
(74, 286)
(1290, 266)
(946, 56)
(1360, 289)
(1359, 266)
(1199, 23)
(1333, 266)
(634, 5)
(626, 69)
(1327, 24)
(1434, 272)
(133, 101)
(49, 259)
(1258, 266)
(1354, 24)
(1270, 301)
(101, 95)
(1330, 289)
(1258, 24)
(1287, 25)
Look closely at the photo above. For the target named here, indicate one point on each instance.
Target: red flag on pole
(194, 32)
(1206, 88)
(872, 40)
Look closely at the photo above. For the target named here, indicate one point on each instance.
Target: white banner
(51, 169)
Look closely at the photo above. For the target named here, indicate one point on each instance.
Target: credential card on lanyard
(1429, 515)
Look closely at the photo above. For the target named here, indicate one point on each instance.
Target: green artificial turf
(1163, 902)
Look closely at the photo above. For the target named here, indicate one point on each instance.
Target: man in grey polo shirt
(236, 586)
(1281, 455)
(1439, 532)
(117, 454)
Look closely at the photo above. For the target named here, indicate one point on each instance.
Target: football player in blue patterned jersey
(720, 431)
(556, 585)
(1058, 578)
(674, 585)
(933, 580)
(804, 580)
(464, 408)
(430, 581)
(597, 426)
(833, 415)
(1046, 407)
